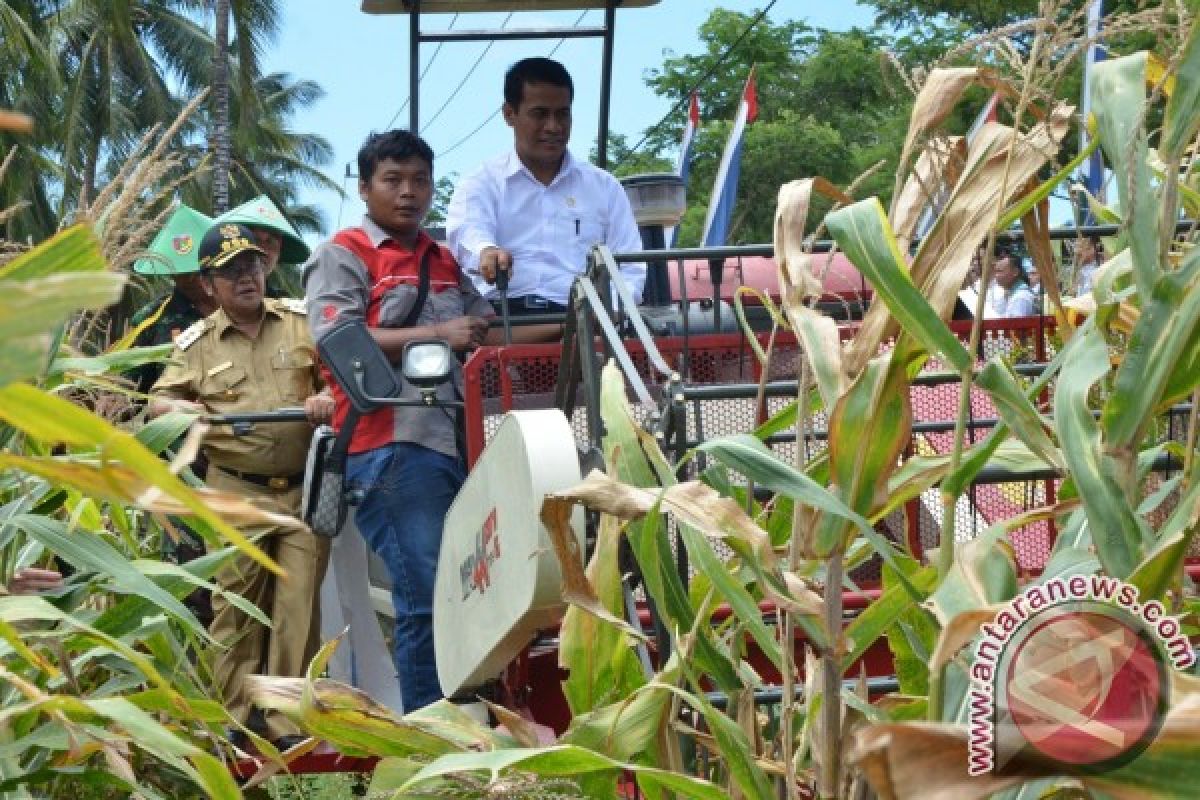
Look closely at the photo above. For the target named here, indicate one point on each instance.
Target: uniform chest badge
(570, 202)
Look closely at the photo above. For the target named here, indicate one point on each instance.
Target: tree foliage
(96, 76)
(828, 104)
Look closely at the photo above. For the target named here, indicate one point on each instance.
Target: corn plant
(103, 684)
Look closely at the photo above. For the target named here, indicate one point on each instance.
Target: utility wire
(466, 77)
(712, 71)
(492, 116)
(421, 77)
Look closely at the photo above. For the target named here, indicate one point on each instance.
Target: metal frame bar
(825, 245)
(605, 33)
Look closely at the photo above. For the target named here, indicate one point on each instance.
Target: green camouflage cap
(173, 251)
(262, 213)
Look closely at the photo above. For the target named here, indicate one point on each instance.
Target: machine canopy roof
(456, 6)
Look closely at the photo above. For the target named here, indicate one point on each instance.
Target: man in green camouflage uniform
(172, 253)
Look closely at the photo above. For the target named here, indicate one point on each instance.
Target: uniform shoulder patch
(191, 334)
(293, 304)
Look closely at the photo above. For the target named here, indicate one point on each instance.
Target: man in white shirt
(1009, 295)
(1089, 254)
(536, 210)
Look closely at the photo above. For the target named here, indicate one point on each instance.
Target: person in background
(537, 210)
(255, 354)
(406, 460)
(172, 253)
(1088, 256)
(1009, 295)
(273, 233)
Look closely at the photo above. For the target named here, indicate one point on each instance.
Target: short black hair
(397, 144)
(1014, 256)
(534, 70)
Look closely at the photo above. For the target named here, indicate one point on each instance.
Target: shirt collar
(223, 323)
(513, 166)
(378, 235)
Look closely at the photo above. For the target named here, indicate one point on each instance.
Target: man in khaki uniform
(255, 354)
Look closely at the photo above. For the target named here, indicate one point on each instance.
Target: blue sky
(362, 63)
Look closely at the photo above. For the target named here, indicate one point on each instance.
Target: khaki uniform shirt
(228, 372)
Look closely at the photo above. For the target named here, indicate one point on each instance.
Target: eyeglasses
(234, 272)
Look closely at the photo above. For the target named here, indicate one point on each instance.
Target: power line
(420, 77)
(712, 71)
(492, 116)
(466, 77)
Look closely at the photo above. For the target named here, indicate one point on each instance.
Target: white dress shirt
(549, 230)
(1017, 301)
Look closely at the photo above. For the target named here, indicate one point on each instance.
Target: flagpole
(1094, 166)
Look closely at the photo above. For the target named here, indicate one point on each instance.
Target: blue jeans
(408, 489)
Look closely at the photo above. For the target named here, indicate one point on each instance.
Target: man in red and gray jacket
(405, 460)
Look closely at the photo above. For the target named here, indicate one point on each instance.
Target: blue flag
(724, 195)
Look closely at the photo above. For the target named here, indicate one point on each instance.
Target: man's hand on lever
(462, 333)
(493, 260)
(318, 408)
(164, 405)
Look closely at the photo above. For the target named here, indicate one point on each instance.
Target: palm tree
(267, 157)
(97, 74)
(29, 81)
(116, 87)
(220, 96)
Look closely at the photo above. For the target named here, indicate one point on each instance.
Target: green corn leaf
(1017, 410)
(72, 250)
(110, 363)
(32, 608)
(88, 552)
(1163, 565)
(868, 430)
(631, 464)
(883, 613)
(1181, 122)
(155, 738)
(52, 419)
(630, 728)
(1118, 99)
(1168, 326)
(161, 432)
(735, 748)
(1116, 530)
(864, 234)
(1029, 201)
(601, 665)
(558, 761)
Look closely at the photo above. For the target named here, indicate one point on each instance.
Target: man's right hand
(493, 260)
(164, 405)
(462, 333)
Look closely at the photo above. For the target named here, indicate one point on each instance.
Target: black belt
(531, 304)
(276, 482)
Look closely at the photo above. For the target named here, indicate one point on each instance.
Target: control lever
(502, 285)
(242, 424)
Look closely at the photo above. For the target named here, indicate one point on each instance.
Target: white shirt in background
(549, 230)
(1019, 301)
(1087, 275)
